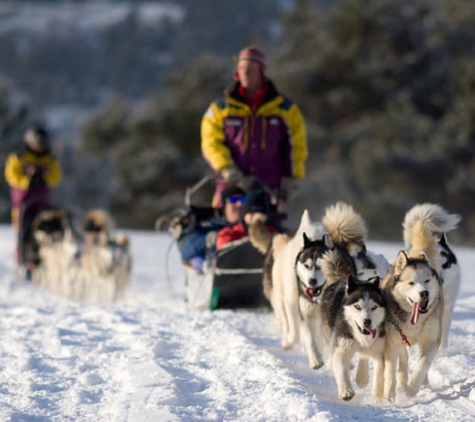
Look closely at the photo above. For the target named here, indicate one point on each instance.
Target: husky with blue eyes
(354, 316)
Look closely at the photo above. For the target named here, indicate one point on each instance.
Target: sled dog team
(94, 265)
(326, 288)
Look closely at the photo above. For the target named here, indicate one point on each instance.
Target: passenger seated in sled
(31, 175)
(236, 265)
(195, 240)
(257, 206)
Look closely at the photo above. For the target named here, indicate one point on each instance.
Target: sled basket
(233, 279)
(237, 276)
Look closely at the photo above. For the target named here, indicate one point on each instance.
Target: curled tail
(422, 229)
(345, 226)
(435, 219)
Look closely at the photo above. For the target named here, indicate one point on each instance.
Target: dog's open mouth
(418, 308)
(313, 292)
(369, 332)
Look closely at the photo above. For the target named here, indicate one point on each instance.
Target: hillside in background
(387, 90)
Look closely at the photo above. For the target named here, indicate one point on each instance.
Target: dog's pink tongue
(415, 313)
(309, 292)
(373, 334)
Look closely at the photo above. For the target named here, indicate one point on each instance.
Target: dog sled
(231, 277)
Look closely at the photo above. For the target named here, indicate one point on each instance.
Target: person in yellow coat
(255, 132)
(32, 174)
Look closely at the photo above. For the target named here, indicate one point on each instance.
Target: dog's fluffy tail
(422, 228)
(434, 218)
(345, 226)
(335, 265)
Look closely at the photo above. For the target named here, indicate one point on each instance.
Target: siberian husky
(293, 283)
(437, 222)
(415, 292)
(415, 302)
(105, 259)
(57, 250)
(354, 313)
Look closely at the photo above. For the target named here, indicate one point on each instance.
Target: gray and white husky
(354, 314)
(293, 282)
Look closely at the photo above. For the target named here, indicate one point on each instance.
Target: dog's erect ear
(351, 284)
(305, 221)
(375, 282)
(401, 262)
(306, 241)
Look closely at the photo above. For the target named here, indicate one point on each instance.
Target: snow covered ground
(149, 358)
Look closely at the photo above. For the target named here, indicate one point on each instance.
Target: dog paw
(286, 345)
(316, 364)
(410, 391)
(347, 394)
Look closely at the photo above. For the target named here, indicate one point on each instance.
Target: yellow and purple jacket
(31, 176)
(269, 143)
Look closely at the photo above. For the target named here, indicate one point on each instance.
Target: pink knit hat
(252, 53)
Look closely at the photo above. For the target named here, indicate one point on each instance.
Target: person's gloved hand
(290, 188)
(211, 239)
(232, 175)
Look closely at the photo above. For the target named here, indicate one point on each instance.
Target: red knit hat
(252, 53)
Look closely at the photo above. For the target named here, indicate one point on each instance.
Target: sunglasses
(235, 199)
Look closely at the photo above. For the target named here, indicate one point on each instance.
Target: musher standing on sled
(254, 131)
(31, 174)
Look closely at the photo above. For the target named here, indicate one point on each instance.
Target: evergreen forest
(387, 88)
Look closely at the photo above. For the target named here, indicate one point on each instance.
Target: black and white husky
(354, 314)
(297, 284)
(57, 251)
(293, 281)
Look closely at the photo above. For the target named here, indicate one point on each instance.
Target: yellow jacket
(16, 169)
(269, 143)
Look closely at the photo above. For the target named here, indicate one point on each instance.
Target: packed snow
(150, 358)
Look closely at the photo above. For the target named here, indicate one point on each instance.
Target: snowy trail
(149, 358)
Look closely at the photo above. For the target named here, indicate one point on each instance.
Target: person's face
(250, 74)
(233, 208)
(37, 148)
